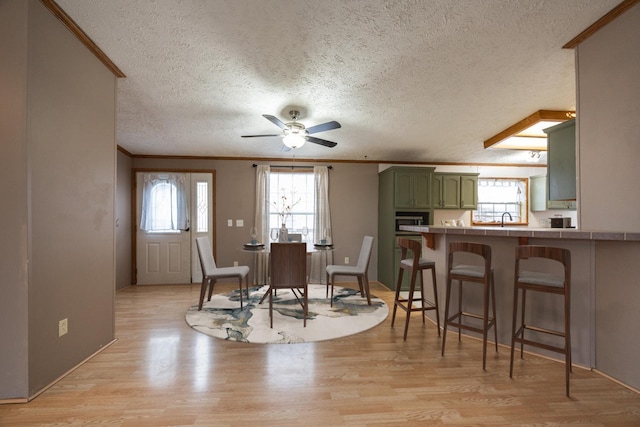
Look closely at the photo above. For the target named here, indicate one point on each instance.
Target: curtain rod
(292, 166)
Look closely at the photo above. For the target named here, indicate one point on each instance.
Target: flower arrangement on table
(283, 207)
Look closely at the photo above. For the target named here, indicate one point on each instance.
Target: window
(498, 196)
(291, 199)
(202, 207)
(164, 204)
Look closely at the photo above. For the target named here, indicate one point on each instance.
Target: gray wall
(62, 243)
(123, 221)
(608, 66)
(13, 209)
(353, 193)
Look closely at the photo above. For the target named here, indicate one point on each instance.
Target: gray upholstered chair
(359, 270)
(210, 272)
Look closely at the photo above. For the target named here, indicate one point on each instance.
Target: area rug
(222, 317)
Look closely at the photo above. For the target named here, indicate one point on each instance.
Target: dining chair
(359, 270)
(211, 272)
(288, 270)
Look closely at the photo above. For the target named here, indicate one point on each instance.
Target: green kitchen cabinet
(561, 204)
(404, 190)
(454, 191)
(469, 191)
(538, 200)
(561, 161)
(412, 189)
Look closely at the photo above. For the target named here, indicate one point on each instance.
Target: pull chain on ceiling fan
(295, 134)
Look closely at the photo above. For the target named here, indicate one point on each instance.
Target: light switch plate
(229, 223)
(239, 223)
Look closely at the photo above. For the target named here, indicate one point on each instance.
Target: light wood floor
(161, 372)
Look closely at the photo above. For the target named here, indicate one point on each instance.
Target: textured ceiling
(423, 80)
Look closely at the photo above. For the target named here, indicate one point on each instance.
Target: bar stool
(471, 273)
(557, 284)
(415, 265)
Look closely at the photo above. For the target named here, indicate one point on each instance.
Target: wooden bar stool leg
(567, 322)
(493, 304)
(424, 305)
(446, 314)
(485, 321)
(514, 331)
(435, 297)
(460, 308)
(522, 324)
(412, 286)
(397, 297)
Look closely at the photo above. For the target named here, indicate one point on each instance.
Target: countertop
(523, 231)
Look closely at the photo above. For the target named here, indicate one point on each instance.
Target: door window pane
(202, 207)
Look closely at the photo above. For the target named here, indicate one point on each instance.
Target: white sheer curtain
(261, 273)
(164, 202)
(322, 226)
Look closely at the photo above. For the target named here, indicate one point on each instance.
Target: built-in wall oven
(411, 218)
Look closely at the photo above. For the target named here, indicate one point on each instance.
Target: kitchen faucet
(510, 218)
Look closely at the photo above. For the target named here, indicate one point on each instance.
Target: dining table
(261, 248)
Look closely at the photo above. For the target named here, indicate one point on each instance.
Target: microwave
(558, 222)
(412, 219)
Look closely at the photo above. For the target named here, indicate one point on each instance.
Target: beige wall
(353, 192)
(13, 209)
(123, 221)
(61, 161)
(608, 66)
(608, 176)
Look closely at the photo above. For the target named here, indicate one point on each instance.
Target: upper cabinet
(538, 200)
(454, 191)
(412, 188)
(561, 161)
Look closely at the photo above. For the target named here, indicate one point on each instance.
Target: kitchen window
(500, 198)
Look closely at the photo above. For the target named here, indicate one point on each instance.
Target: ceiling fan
(295, 134)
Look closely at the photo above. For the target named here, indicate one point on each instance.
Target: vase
(283, 236)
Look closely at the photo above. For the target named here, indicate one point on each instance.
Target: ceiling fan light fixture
(293, 140)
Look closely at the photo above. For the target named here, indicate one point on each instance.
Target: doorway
(163, 255)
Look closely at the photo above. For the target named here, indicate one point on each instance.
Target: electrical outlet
(346, 260)
(229, 223)
(63, 327)
(235, 263)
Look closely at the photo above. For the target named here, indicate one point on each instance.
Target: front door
(163, 258)
(172, 257)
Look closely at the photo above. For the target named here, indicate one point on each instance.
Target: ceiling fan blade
(259, 136)
(321, 141)
(276, 121)
(323, 127)
(284, 148)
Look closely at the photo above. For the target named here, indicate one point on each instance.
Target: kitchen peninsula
(600, 261)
